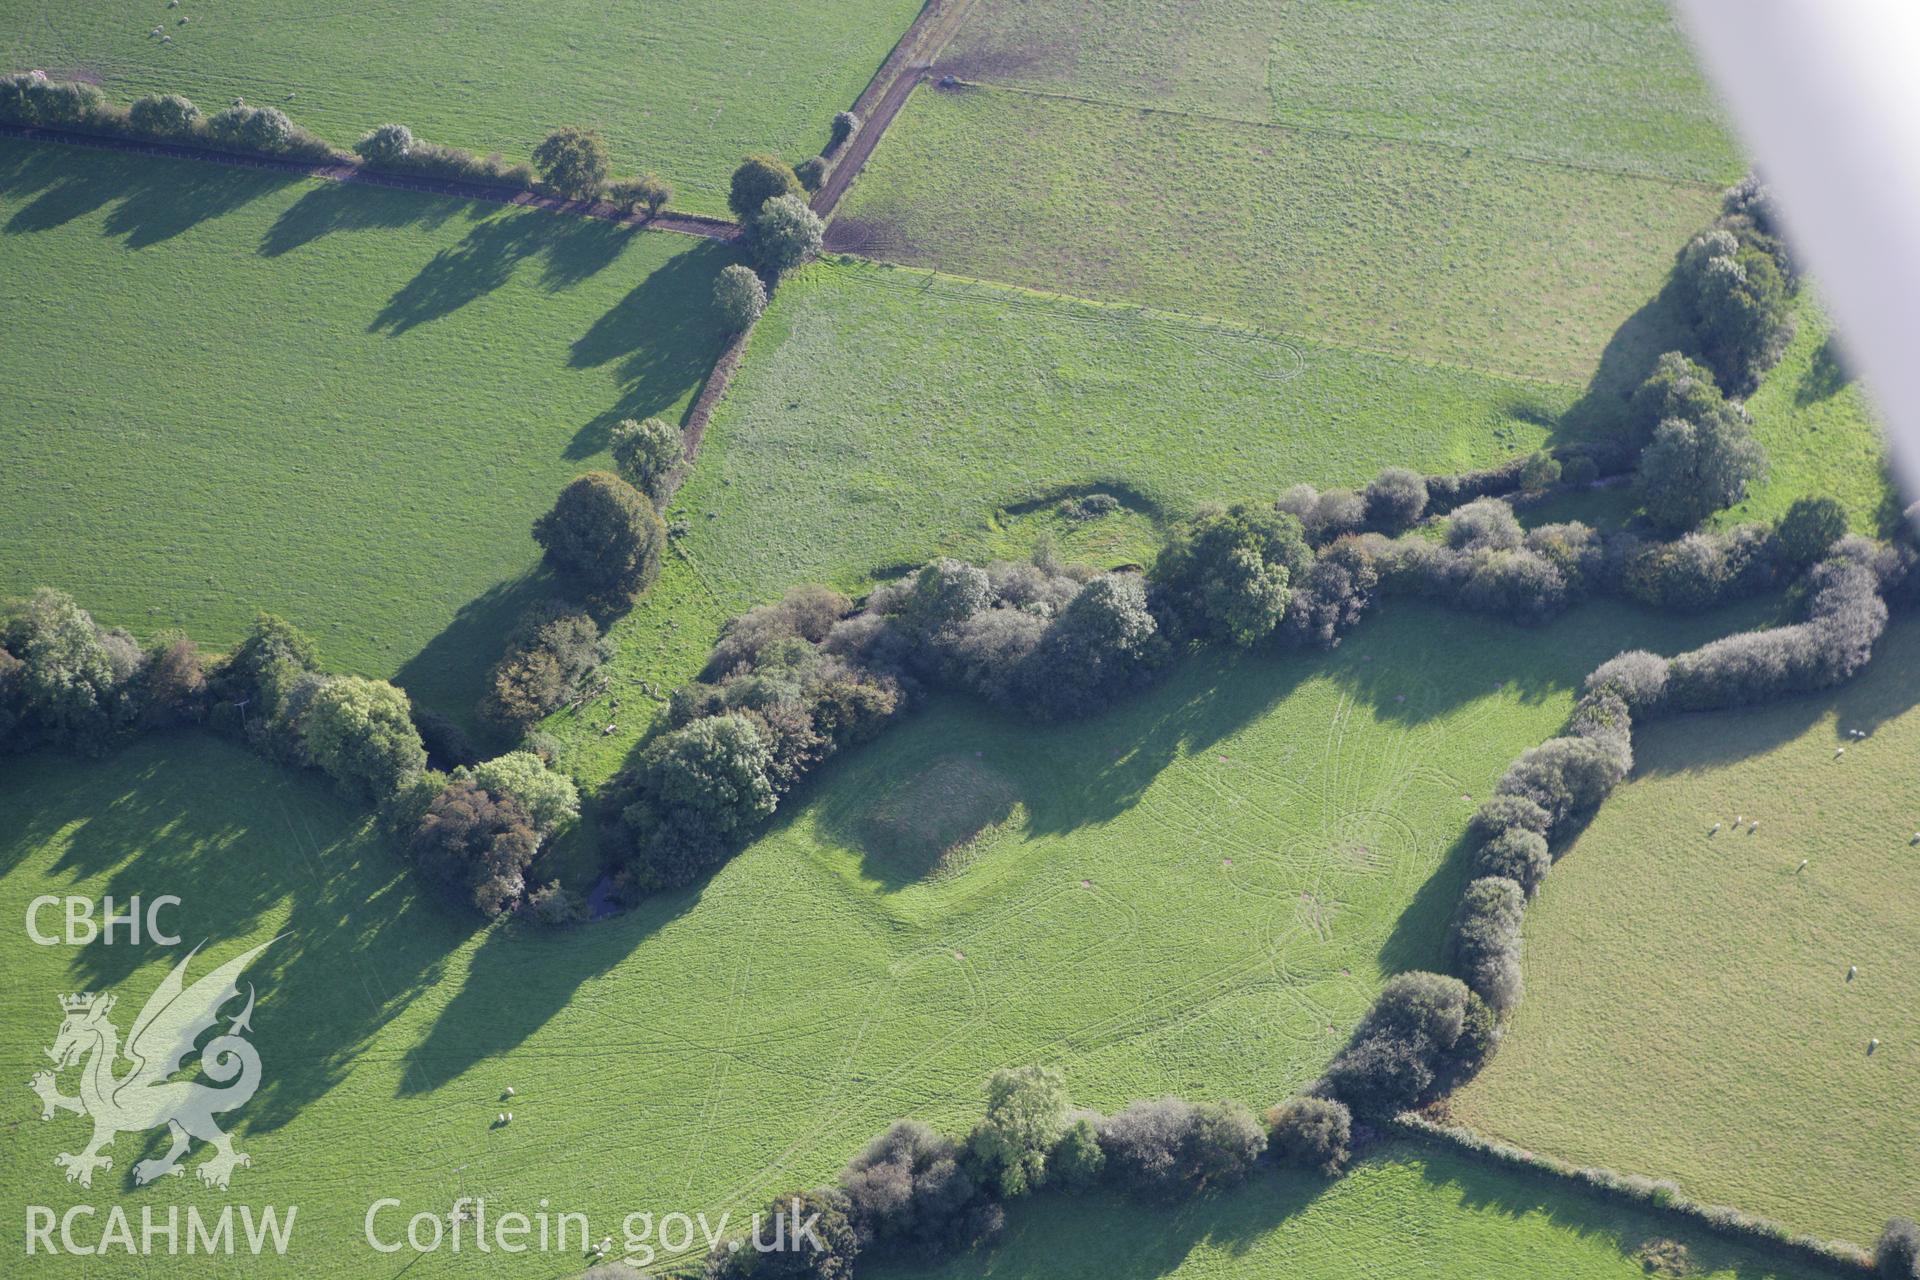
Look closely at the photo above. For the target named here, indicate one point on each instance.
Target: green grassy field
(885, 415)
(1198, 892)
(1822, 434)
(1602, 83)
(1400, 1215)
(1688, 1013)
(683, 87)
(1475, 259)
(345, 405)
(882, 414)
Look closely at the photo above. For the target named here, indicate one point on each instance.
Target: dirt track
(346, 171)
(882, 99)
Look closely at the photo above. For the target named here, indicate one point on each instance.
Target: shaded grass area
(1688, 1011)
(1401, 1213)
(226, 391)
(1205, 890)
(1602, 83)
(1463, 256)
(683, 87)
(1822, 433)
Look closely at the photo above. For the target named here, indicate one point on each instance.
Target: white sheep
(1754, 827)
(509, 1117)
(501, 1118)
(1716, 829)
(1802, 867)
(509, 1091)
(1872, 1045)
(1838, 752)
(1852, 970)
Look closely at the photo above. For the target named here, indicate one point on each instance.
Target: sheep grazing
(1754, 826)
(1715, 830)
(1852, 970)
(1802, 867)
(509, 1091)
(1838, 752)
(1872, 1045)
(509, 1117)
(501, 1118)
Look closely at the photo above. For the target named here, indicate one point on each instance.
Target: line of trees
(917, 1193)
(791, 683)
(68, 684)
(31, 98)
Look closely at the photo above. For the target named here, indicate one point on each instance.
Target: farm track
(348, 172)
(882, 99)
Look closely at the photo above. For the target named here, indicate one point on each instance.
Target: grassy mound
(931, 822)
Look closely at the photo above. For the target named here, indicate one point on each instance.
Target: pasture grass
(1401, 1214)
(1467, 257)
(1688, 1013)
(1607, 84)
(682, 87)
(883, 415)
(1206, 888)
(1822, 433)
(225, 391)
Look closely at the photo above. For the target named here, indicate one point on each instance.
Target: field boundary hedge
(1840, 1257)
(345, 168)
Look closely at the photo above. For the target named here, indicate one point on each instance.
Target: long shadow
(1519, 1194)
(251, 850)
(659, 353)
(331, 207)
(1657, 327)
(521, 976)
(1704, 741)
(573, 249)
(151, 200)
(1110, 1235)
(449, 673)
(1828, 373)
(1276, 1225)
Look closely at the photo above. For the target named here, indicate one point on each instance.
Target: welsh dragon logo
(145, 1096)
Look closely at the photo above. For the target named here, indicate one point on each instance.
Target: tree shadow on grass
(252, 850)
(1828, 373)
(1275, 1224)
(449, 674)
(663, 338)
(1478, 1187)
(1701, 742)
(1110, 1235)
(572, 249)
(1657, 327)
(330, 207)
(520, 977)
(152, 200)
